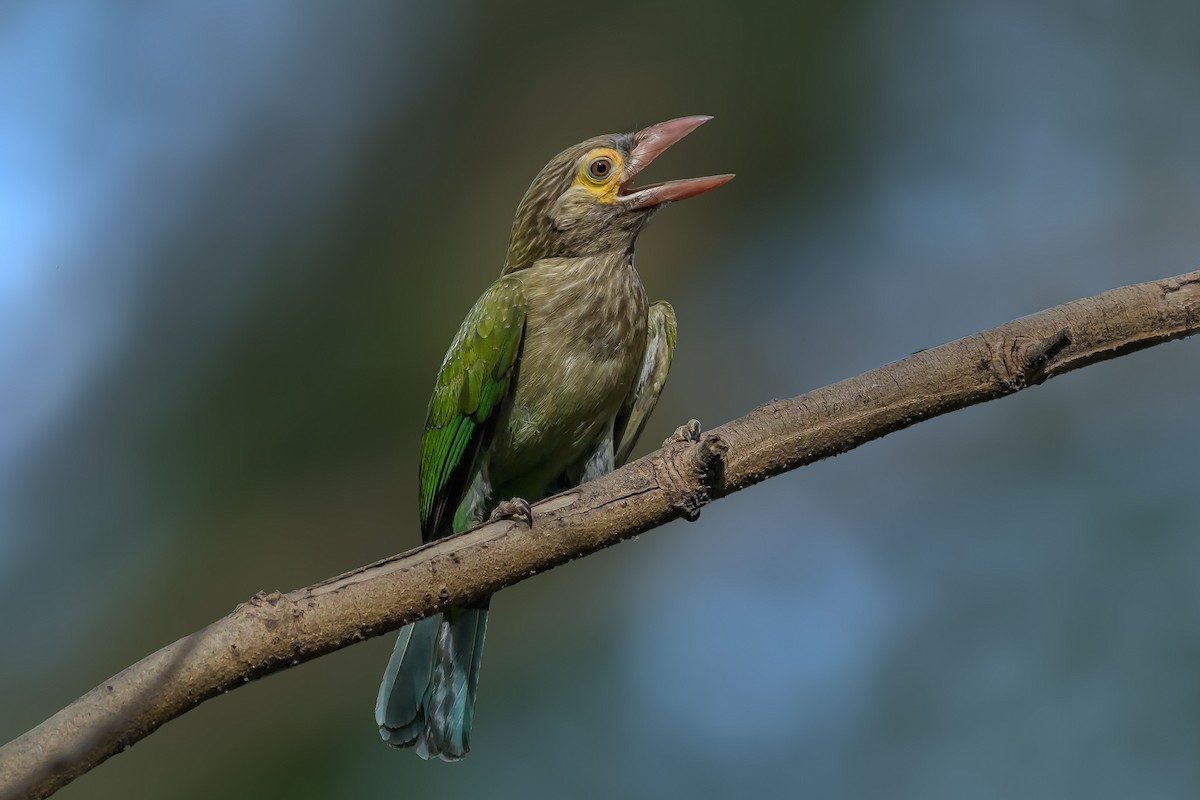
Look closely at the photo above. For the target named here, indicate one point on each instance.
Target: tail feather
(427, 697)
(398, 710)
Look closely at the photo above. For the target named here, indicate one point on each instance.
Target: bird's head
(581, 202)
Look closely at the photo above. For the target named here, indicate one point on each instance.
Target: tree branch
(275, 631)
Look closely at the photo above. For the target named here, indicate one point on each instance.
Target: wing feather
(475, 377)
(656, 363)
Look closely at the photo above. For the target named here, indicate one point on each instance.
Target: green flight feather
(473, 382)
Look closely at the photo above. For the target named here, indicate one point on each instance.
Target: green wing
(473, 382)
(656, 363)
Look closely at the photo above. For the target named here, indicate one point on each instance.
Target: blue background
(235, 240)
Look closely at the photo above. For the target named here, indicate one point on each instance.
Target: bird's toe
(685, 433)
(514, 509)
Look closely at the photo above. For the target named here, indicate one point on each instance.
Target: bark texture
(274, 631)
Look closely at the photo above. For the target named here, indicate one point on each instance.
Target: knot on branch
(265, 598)
(262, 604)
(1025, 358)
(694, 474)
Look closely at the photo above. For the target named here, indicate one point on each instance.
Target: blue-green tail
(427, 698)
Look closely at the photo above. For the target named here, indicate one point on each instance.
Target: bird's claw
(514, 509)
(685, 433)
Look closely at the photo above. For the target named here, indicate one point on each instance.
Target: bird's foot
(689, 433)
(514, 509)
(685, 433)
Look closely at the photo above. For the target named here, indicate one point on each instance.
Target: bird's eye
(600, 169)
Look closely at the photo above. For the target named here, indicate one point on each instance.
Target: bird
(548, 383)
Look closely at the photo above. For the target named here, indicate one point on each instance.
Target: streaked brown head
(581, 202)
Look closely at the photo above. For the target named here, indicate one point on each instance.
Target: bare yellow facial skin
(600, 174)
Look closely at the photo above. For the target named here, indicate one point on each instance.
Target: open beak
(648, 143)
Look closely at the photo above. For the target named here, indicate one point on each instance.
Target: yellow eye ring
(600, 169)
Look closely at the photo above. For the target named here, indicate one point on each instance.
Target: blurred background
(236, 239)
